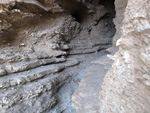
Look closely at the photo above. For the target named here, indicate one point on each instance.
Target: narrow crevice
(84, 100)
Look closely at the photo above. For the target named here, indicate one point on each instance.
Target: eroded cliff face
(39, 42)
(120, 7)
(37, 38)
(126, 86)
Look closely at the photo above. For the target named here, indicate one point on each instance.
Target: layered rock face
(36, 38)
(126, 86)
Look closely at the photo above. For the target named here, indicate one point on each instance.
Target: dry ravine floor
(80, 94)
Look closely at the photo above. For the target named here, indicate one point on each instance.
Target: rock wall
(120, 7)
(36, 38)
(126, 86)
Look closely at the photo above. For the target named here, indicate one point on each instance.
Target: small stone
(64, 47)
(22, 45)
(9, 44)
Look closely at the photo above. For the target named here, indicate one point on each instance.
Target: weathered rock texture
(120, 7)
(86, 97)
(36, 37)
(126, 86)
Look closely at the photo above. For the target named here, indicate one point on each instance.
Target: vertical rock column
(118, 21)
(126, 86)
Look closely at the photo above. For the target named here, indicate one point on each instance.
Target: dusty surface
(86, 97)
(80, 72)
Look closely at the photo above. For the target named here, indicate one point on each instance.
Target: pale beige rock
(126, 86)
(120, 7)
